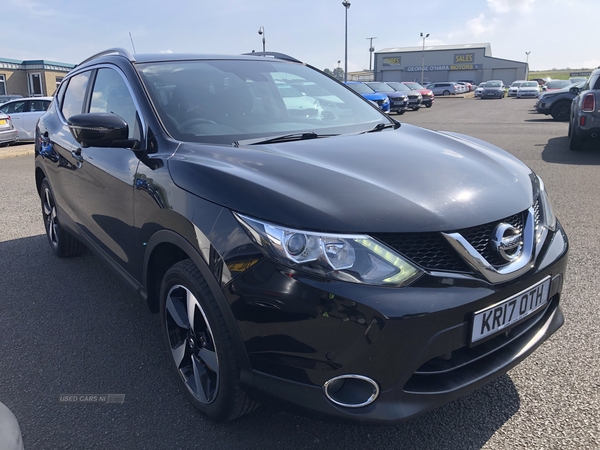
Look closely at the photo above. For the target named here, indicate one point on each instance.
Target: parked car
(479, 89)
(25, 113)
(369, 93)
(354, 268)
(584, 123)
(402, 93)
(8, 133)
(514, 87)
(557, 103)
(444, 88)
(557, 84)
(6, 98)
(427, 97)
(467, 86)
(298, 104)
(528, 89)
(493, 89)
(575, 80)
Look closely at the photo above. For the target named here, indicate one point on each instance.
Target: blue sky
(558, 33)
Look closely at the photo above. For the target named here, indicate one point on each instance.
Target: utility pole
(346, 4)
(371, 50)
(423, 58)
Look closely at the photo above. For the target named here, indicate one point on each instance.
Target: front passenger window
(111, 95)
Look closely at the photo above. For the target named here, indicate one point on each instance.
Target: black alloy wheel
(560, 111)
(62, 243)
(200, 344)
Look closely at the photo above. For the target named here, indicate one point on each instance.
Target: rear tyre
(200, 344)
(561, 111)
(416, 108)
(429, 105)
(446, 93)
(575, 142)
(62, 243)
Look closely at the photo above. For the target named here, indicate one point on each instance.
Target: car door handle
(77, 155)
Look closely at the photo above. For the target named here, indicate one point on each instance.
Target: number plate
(2, 121)
(510, 311)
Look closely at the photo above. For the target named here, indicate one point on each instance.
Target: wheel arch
(166, 248)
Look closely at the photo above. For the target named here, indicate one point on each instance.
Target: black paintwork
(143, 210)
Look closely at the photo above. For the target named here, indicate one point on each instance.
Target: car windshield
(557, 84)
(381, 87)
(529, 84)
(225, 101)
(361, 88)
(493, 84)
(412, 85)
(402, 87)
(517, 84)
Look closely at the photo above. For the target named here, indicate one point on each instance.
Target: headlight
(352, 258)
(547, 217)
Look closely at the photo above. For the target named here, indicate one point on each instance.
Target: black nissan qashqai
(305, 250)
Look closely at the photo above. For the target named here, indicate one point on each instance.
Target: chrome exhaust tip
(351, 391)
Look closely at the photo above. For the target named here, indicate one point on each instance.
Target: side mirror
(100, 130)
(574, 90)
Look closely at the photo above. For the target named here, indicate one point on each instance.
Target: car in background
(479, 89)
(576, 80)
(8, 133)
(298, 104)
(493, 89)
(381, 100)
(357, 269)
(467, 86)
(413, 98)
(444, 88)
(427, 97)
(584, 122)
(557, 103)
(528, 89)
(557, 84)
(6, 98)
(25, 113)
(514, 87)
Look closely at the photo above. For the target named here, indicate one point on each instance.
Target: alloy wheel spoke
(200, 380)
(209, 358)
(179, 353)
(175, 310)
(191, 304)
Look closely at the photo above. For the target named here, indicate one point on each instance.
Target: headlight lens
(547, 217)
(352, 258)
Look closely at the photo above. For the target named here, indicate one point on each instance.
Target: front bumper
(301, 331)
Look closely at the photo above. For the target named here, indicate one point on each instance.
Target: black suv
(584, 120)
(319, 255)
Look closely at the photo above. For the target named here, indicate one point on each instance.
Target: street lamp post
(261, 31)
(346, 4)
(371, 50)
(423, 58)
(527, 66)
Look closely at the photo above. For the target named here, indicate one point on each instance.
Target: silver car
(514, 87)
(444, 88)
(8, 133)
(25, 113)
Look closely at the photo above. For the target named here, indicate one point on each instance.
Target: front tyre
(61, 242)
(200, 344)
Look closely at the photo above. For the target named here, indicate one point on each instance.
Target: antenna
(130, 37)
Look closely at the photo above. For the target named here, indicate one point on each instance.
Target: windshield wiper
(284, 138)
(382, 126)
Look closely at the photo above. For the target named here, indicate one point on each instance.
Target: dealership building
(446, 63)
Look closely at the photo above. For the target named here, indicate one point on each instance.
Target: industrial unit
(446, 63)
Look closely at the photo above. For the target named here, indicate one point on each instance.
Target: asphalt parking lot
(69, 327)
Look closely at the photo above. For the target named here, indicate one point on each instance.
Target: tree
(338, 73)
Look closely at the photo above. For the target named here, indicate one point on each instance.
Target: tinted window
(38, 105)
(111, 95)
(75, 95)
(13, 107)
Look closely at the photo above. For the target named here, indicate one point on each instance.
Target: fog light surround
(351, 391)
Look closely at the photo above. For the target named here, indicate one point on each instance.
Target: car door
(103, 180)
(33, 111)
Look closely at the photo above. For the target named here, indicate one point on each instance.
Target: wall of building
(446, 65)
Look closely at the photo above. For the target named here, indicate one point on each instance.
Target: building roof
(37, 64)
(485, 45)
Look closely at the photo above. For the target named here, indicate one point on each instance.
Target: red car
(427, 94)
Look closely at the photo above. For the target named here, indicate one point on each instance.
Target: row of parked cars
(18, 117)
(394, 96)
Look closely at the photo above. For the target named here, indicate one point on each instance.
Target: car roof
(20, 99)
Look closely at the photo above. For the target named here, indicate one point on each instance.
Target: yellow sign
(464, 58)
(391, 61)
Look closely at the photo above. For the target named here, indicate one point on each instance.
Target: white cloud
(504, 6)
(480, 25)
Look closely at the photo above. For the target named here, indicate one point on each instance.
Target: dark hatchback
(339, 264)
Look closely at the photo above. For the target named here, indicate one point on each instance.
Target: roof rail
(118, 51)
(274, 55)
